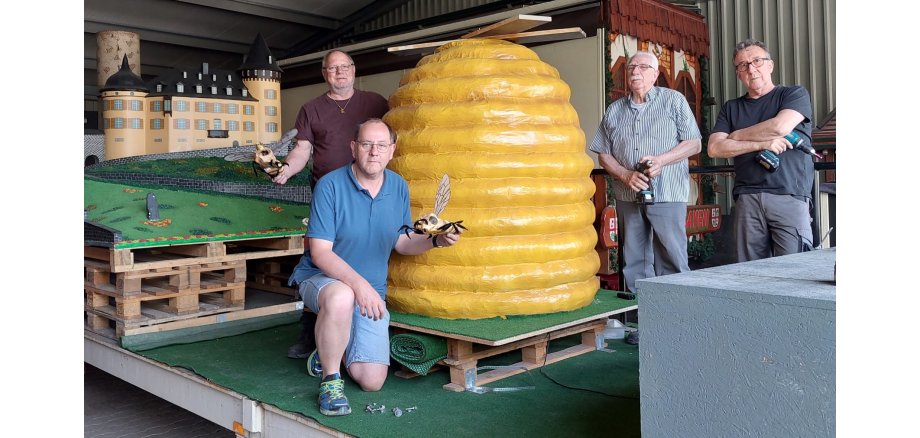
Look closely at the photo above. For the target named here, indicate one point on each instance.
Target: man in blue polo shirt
(355, 218)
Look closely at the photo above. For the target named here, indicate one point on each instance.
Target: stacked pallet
(129, 289)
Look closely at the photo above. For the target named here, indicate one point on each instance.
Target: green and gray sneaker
(332, 400)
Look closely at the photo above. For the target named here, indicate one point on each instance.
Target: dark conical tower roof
(260, 57)
(124, 79)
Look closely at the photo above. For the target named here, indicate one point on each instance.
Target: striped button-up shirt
(631, 131)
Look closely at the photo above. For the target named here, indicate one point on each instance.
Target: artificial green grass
(495, 329)
(590, 395)
(186, 216)
(203, 168)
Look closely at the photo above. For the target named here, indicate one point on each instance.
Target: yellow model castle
(183, 110)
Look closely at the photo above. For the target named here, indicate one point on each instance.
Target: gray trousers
(654, 240)
(767, 225)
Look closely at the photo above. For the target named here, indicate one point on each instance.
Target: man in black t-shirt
(772, 209)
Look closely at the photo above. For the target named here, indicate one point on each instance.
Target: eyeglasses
(344, 67)
(381, 147)
(756, 62)
(642, 67)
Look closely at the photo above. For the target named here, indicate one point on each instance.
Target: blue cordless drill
(770, 160)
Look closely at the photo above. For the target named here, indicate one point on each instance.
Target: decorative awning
(659, 22)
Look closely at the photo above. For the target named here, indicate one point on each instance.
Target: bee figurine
(264, 158)
(430, 223)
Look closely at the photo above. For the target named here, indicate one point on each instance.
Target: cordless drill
(770, 160)
(645, 196)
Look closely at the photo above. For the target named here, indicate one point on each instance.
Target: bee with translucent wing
(264, 157)
(431, 224)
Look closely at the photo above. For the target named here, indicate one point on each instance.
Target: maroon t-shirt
(322, 123)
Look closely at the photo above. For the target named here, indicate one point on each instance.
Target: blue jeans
(369, 340)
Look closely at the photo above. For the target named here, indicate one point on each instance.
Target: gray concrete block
(747, 349)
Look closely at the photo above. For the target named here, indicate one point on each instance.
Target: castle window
(248, 126)
(136, 123)
(245, 92)
(217, 107)
(118, 123)
(159, 88)
(156, 124)
(271, 111)
(270, 94)
(233, 108)
(247, 109)
(213, 90)
(233, 125)
(217, 124)
(167, 105)
(180, 87)
(201, 124)
(229, 91)
(271, 127)
(181, 123)
(201, 107)
(198, 89)
(118, 104)
(182, 105)
(156, 106)
(137, 105)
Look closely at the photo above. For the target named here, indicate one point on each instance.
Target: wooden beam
(516, 24)
(539, 36)
(542, 36)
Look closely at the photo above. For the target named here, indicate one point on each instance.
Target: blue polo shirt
(363, 230)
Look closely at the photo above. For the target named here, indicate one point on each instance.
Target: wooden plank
(516, 24)
(513, 338)
(214, 319)
(197, 261)
(518, 38)
(542, 36)
(417, 49)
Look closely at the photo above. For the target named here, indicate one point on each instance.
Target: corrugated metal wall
(419, 10)
(801, 38)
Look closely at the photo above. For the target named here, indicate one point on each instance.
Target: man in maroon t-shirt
(326, 124)
(325, 127)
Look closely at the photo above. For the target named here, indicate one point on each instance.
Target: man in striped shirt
(651, 124)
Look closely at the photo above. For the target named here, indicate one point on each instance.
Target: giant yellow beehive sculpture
(498, 121)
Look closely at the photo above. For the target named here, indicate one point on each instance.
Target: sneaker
(332, 400)
(314, 367)
(633, 337)
(299, 351)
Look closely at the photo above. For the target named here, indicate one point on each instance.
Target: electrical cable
(577, 388)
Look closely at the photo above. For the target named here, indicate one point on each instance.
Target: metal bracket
(470, 380)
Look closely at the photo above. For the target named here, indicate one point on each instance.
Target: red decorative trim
(662, 23)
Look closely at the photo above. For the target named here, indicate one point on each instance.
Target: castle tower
(123, 118)
(261, 74)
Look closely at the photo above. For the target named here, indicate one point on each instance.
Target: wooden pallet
(159, 281)
(271, 275)
(170, 256)
(463, 353)
(114, 316)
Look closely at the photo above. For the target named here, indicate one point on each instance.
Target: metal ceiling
(186, 33)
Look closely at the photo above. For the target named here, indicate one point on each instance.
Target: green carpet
(495, 329)
(255, 364)
(417, 351)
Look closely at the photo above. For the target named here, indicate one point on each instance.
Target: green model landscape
(187, 216)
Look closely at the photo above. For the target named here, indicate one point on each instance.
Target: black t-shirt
(796, 173)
